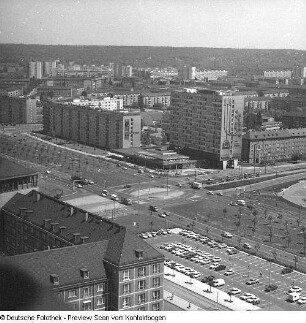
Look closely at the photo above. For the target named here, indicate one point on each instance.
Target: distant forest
(236, 61)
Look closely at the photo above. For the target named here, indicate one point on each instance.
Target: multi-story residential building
(167, 72)
(273, 145)
(12, 91)
(106, 103)
(275, 93)
(207, 124)
(299, 72)
(295, 119)
(257, 104)
(92, 125)
(35, 70)
(158, 99)
(15, 178)
(277, 74)
(22, 83)
(187, 73)
(18, 110)
(210, 75)
(49, 67)
(288, 103)
(129, 98)
(90, 263)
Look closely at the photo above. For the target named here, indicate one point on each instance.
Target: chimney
(62, 229)
(86, 217)
(54, 279)
(47, 223)
(83, 239)
(38, 196)
(76, 238)
(71, 210)
(54, 226)
(22, 211)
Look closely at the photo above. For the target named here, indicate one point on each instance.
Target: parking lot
(244, 266)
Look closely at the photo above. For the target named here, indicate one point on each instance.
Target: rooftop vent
(83, 239)
(76, 238)
(61, 229)
(54, 279)
(28, 213)
(22, 211)
(54, 226)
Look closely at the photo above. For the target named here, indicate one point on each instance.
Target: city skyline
(272, 24)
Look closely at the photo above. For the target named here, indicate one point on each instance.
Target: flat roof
(10, 170)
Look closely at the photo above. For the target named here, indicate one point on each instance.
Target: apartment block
(129, 99)
(18, 110)
(208, 124)
(105, 103)
(35, 70)
(273, 145)
(88, 262)
(93, 126)
(210, 75)
(277, 74)
(158, 99)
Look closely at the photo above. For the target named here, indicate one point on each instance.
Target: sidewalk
(181, 303)
(233, 303)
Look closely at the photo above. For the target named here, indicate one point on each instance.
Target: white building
(106, 103)
(210, 75)
(35, 70)
(277, 74)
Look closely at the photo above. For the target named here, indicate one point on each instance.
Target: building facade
(277, 74)
(106, 103)
(208, 123)
(113, 269)
(294, 119)
(93, 126)
(151, 100)
(273, 145)
(18, 110)
(35, 70)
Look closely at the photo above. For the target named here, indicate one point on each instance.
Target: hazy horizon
(232, 24)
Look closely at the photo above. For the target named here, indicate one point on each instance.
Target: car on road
(76, 178)
(247, 246)
(294, 289)
(302, 300)
(252, 281)
(232, 250)
(79, 185)
(233, 203)
(90, 182)
(234, 291)
(104, 193)
(253, 300)
(287, 270)
(114, 197)
(153, 208)
(127, 186)
(218, 282)
(210, 193)
(216, 259)
(245, 296)
(162, 215)
(125, 168)
(222, 245)
(229, 272)
(220, 194)
(271, 288)
(226, 235)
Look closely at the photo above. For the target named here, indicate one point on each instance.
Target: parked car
(252, 281)
(245, 296)
(247, 246)
(271, 288)
(229, 272)
(220, 267)
(226, 235)
(234, 291)
(302, 300)
(114, 197)
(253, 300)
(127, 186)
(153, 208)
(295, 289)
(207, 279)
(231, 250)
(287, 270)
(218, 282)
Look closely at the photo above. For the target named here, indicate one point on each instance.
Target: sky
(268, 24)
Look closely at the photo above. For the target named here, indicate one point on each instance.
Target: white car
(48, 171)
(295, 289)
(91, 182)
(213, 266)
(253, 300)
(245, 296)
(234, 291)
(229, 272)
(302, 300)
(227, 235)
(114, 197)
(216, 259)
(210, 193)
(79, 186)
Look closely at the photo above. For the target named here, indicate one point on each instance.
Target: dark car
(220, 267)
(208, 279)
(287, 270)
(76, 178)
(153, 208)
(271, 288)
(127, 186)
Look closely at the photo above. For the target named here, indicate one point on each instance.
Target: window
(86, 291)
(141, 284)
(141, 271)
(126, 288)
(101, 301)
(156, 268)
(72, 293)
(126, 302)
(101, 287)
(126, 275)
(156, 307)
(87, 306)
(156, 294)
(141, 298)
(142, 308)
(156, 281)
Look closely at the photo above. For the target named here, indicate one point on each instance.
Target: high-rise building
(299, 72)
(35, 70)
(49, 67)
(93, 125)
(207, 124)
(187, 73)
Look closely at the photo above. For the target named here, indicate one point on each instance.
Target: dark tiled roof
(122, 249)
(10, 169)
(64, 262)
(122, 242)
